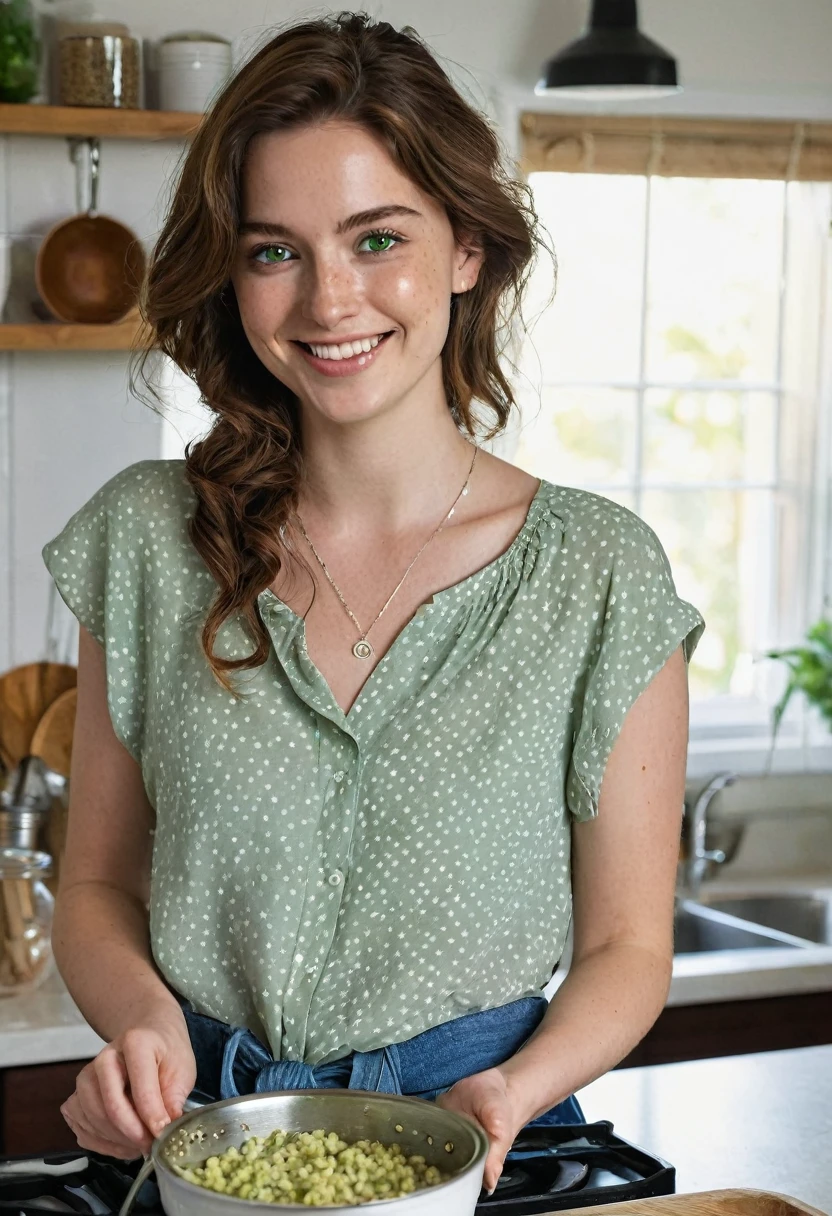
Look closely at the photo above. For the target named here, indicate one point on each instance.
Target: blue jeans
(231, 1061)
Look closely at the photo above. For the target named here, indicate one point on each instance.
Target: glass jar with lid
(99, 64)
(26, 909)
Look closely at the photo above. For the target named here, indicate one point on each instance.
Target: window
(677, 371)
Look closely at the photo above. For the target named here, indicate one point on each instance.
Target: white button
(339, 776)
(336, 878)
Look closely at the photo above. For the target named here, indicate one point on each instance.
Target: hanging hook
(93, 145)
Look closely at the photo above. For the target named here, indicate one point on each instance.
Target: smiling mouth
(346, 350)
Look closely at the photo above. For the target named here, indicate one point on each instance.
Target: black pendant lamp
(613, 59)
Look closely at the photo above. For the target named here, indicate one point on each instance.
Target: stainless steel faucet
(698, 856)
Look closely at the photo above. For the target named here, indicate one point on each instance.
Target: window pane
(592, 330)
(708, 436)
(713, 279)
(720, 551)
(580, 436)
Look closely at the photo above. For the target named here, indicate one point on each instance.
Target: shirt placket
(327, 877)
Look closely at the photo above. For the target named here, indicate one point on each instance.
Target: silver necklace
(362, 648)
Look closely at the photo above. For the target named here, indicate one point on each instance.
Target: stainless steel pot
(459, 1146)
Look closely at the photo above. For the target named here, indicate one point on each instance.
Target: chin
(351, 409)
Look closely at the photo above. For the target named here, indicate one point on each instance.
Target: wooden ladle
(89, 268)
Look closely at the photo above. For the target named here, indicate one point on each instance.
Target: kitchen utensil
(52, 742)
(25, 694)
(26, 802)
(459, 1146)
(89, 268)
(26, 909)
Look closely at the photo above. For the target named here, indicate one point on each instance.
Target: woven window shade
(676, 147)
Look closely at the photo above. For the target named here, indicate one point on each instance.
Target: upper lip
(377, 333)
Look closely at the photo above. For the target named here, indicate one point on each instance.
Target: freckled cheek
(263, 307)
(416, 297)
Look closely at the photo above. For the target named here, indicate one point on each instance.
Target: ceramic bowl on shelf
(192, 68)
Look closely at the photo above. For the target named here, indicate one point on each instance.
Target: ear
(468, 260)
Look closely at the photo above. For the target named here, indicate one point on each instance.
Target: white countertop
(742, 974)
(46, 1025)
(758, 1121)
(739, 975)
(43, 1026)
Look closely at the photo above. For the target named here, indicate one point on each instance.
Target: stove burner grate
(548, 1169)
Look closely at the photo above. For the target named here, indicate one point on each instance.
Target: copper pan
(89, 268)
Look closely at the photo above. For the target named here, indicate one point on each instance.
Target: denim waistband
(231, 1061)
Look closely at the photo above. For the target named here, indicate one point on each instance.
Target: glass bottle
(26, 910)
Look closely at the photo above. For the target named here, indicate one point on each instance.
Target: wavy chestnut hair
(247, 470)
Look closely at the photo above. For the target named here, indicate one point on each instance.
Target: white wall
(67, 422)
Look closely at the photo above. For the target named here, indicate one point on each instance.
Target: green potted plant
(19, 52)
(810, 672)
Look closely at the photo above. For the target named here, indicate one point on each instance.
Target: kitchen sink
(807, 916)
(698, 928)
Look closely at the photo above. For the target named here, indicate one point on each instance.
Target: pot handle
(142, 1176)
(147, 1169)
(95, 162)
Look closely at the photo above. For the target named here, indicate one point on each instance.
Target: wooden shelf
(122, 335)
(81, 121)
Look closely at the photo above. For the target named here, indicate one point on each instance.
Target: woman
(354, 679)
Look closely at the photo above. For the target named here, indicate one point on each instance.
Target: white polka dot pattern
(338, 882)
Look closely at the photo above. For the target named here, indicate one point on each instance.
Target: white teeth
(346, 350)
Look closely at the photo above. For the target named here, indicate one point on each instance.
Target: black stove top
(548, 1169)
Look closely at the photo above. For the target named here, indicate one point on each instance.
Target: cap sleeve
(643, 623)
(96, 562)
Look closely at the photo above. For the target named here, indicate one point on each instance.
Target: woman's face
(338, 246)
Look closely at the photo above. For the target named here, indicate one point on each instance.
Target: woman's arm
(623, 881)
(101, 936)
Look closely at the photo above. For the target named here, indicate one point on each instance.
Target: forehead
(323, 172)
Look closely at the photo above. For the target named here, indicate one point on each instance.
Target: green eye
(268, 251)
(380, 242)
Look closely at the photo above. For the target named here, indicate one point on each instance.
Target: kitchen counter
(44, 1026)
(732, 975)
(737, 975)
(760, 1121)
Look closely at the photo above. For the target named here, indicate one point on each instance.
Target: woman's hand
(488, 1098)
(134, 1087)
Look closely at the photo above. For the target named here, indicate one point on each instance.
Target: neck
(387, 474)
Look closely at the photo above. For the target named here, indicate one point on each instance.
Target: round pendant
(362, 649)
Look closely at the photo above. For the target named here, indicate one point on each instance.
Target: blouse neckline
(471, 582)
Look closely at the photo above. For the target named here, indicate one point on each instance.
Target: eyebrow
(359, 220)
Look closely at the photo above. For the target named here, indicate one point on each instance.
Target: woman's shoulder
(137, 501)
(593, 523)
(145, 487)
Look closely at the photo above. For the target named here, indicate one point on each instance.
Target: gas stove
(548, 1169)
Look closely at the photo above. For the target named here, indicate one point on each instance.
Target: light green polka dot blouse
(341, 882)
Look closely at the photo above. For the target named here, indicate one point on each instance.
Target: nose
(331, 294)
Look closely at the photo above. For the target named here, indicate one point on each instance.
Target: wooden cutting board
(705, 1203)
(25, 694)
(52, 741)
